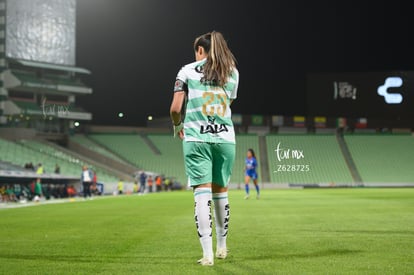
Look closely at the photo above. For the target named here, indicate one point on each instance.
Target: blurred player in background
(204, 90)
(86, 180)
(143, 182)
(250, 173)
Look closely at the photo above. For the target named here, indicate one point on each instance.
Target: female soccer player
(250, 173)
(204, 90)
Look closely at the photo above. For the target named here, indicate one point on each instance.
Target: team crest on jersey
(211, 119)
(212, 127)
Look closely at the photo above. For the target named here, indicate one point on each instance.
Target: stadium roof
(50, 66)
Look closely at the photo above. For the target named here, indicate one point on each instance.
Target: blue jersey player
(251, 173)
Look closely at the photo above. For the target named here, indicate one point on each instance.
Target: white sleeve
(181, 81)
(182, 75)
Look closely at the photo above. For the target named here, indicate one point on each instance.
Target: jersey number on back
(209, 110)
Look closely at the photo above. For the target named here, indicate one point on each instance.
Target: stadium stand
(20, 155)
(90, 144)
(28, 105)
(383, 158)
(24, 151)
(7, 166)
(135, 149)
(320, 152)
(170, 160)
(68, 161)
(130, 147)
(377, 158)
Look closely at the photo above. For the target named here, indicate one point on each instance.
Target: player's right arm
(175, 111)
(180, 90)
(176, 105)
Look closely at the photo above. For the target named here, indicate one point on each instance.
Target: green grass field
(314, 231)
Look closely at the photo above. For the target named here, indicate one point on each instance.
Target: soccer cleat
(221, 253)
(246, 197)
(206, 262)
(258, 196)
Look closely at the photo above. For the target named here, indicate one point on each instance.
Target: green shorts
(209, 162)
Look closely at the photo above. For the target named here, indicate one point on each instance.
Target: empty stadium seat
(383, 158)
(90, 144)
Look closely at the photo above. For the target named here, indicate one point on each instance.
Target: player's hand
(179, 130)
(181, 134)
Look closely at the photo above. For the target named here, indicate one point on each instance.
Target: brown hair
(220, 60)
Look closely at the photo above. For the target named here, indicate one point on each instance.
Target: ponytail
(220, 60)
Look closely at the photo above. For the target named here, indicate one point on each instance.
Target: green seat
(383, 158)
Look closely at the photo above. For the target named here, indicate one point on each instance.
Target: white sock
(202, 215)
(222, 217)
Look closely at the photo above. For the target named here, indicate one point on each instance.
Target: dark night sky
(135, 48)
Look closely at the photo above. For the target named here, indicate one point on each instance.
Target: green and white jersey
(208, 113)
